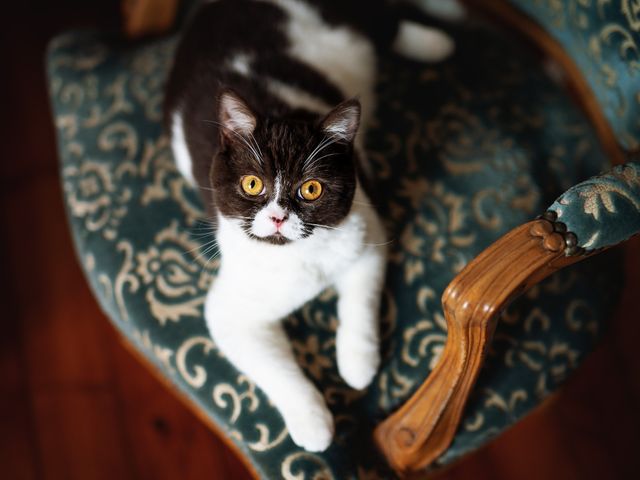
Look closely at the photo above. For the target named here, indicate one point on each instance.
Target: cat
(266, 106)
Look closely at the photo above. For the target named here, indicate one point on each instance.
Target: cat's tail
(422, 43)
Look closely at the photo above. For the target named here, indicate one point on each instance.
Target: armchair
(466, 153)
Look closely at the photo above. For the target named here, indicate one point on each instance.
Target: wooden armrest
(589, 217)
(148, 17)
(421, 430)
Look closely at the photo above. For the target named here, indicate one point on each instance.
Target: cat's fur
(251, 94)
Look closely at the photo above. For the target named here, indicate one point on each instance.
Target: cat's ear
(235, 116)
(342, 122)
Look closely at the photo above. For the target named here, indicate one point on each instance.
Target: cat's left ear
(342, 122)
(235, 116)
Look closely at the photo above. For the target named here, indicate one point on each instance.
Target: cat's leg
(263, 352)
(357, 339)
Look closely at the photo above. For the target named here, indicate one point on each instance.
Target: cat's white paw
(358, 358)
(310, 426)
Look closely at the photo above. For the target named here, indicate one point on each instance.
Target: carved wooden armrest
(605, 210)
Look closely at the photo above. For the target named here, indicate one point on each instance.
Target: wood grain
(590, 427)
(74, 404)
(421, 429)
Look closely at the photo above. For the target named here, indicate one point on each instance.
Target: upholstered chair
(490, 178)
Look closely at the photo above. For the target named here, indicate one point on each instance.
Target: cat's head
(281, 179)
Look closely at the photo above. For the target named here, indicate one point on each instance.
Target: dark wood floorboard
(74, 404)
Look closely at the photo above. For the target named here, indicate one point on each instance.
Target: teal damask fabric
(604, 210)
(603, 39)
(462, 152)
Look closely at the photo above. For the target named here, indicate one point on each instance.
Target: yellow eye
(310, 190)
(252, 185)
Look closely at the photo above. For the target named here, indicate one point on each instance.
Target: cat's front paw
(358, 358)
(310, 426)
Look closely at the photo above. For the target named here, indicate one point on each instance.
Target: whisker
(240, 218)
(206, 228)
(206, 222)
(324, 226)
(208, 250)
(206, 261)
(341, 229)
(202, 234)
(315, 161)
(379, 244)
(314, 150)
(321, 146)
(244, 140)
(200, 246)
(255, 142)
(206, 265)
(209, 247)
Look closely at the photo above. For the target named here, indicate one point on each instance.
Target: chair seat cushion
(462, 151)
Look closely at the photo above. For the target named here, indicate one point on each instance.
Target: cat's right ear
(234, 116)
(342, 122)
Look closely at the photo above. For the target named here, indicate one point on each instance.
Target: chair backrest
(603, 39)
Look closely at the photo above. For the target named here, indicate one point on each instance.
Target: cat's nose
(279, 219)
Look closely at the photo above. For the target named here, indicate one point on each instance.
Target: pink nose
(279, 220)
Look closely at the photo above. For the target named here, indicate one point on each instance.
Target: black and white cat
(249, 110)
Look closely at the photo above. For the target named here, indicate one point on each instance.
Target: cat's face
(282, 180)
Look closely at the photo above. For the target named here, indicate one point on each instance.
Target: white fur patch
(297, 98)
(240, 63)
(449, 10)
(346, 57)
(262, 225)
(180, 150)
(422, 43)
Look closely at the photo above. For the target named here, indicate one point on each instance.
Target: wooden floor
(74, 404)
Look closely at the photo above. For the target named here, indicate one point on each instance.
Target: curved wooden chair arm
(421, 430)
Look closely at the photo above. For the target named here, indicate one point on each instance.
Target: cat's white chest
(277, 278)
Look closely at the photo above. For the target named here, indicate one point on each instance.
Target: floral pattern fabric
(603, 39)
(462, 152)
(604, 210)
